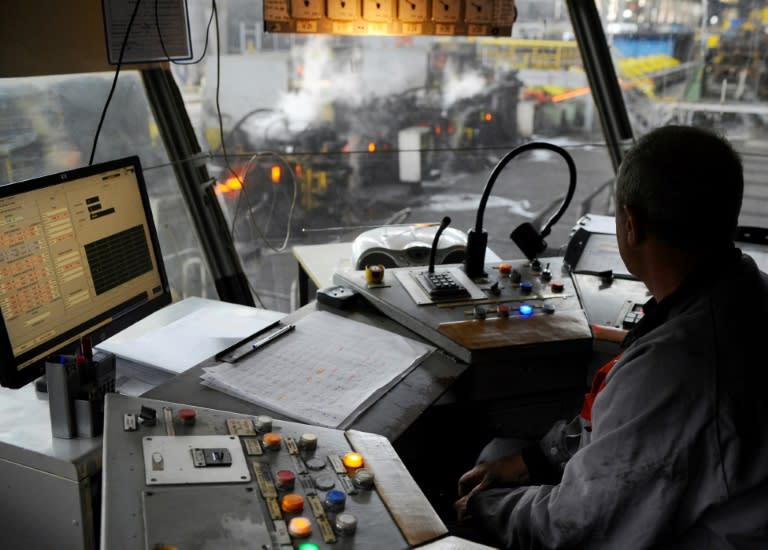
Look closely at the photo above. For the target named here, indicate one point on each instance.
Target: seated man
(671, 446)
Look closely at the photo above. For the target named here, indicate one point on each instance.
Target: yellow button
(292, 503)
(353, 461)
(300, 527)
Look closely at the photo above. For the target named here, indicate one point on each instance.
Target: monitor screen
(79, 256)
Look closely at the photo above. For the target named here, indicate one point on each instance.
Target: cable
(243, 193)
(114, 81)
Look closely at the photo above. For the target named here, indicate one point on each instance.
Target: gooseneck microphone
(526, 237)
(443, 224)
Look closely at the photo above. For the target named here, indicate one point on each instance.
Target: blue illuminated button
(525, 310)
(526, 287)
(335, 501)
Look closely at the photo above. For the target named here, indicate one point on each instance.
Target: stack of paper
(186, 333)
(326, 371)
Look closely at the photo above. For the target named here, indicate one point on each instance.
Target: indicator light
(300, 527)
(371, 147)
(525, 310)
(353, 461)
(285, 479)
(335, 501)
(276, 173)
(292, 503)
(308, 546)
(488, 117)
(272, 440)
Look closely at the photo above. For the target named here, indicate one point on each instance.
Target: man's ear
(632, 227)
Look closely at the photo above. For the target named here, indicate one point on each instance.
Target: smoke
(461, 86)
(325, 77)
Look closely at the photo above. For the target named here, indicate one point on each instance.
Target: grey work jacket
(678, 447)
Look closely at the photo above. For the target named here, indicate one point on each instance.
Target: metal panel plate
(225, 516)
(176, 466)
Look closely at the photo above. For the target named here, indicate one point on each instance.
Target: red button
(285, 479)
(557, 286)
(188, 416)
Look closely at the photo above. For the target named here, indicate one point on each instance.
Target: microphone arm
(477, 239)
(443, 224)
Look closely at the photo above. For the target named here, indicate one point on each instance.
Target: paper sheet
(326, 371)
(202, 329)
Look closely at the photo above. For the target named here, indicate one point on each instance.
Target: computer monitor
(79, 256)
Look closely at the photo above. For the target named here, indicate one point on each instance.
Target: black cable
(114, 81)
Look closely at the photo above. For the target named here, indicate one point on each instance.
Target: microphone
(443, 224)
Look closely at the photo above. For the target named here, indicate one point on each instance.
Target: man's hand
(510, 470)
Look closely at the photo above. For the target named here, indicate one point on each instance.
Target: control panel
(184, 477)
(518, 304)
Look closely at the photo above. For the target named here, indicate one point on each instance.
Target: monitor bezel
(10, 375)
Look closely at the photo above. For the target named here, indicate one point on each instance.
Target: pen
(272, 336)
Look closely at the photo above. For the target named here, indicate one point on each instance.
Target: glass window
(701, 63)
(369, 131)
(47, 124)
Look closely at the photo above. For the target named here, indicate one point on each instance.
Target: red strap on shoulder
(598, 383)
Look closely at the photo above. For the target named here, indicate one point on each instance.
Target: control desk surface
(197, 478)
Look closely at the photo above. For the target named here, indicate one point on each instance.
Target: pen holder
(76, 393)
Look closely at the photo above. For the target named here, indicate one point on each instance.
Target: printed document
(326, 371)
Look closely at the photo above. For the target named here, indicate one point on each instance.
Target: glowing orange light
(438, 130)
(298, 170)
(234, 184)
(569, 95)
(353, 460)
(276, 173)
(488, 117)
(371, 147)
(271, 439)
(300, 69)
(221, 189)
(292, 503)
(300, 527)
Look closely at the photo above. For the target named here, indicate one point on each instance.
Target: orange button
(292, 503)
(353, 461)
(272, 440)
(300, 527)
(505, 268)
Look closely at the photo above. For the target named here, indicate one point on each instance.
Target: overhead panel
(391, 17)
